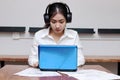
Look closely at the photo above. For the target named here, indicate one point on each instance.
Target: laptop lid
(57, 57)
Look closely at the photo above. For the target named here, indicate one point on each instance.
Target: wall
(86, 14)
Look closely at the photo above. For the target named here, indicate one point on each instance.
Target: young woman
(56, 16)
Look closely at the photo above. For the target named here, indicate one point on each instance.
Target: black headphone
(68, 16)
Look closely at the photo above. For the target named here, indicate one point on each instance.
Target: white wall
(86, 14)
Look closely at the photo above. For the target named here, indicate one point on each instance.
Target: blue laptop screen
(57, 57)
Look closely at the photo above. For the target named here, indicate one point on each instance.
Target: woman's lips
(58, 30)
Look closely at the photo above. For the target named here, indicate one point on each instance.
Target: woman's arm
(81, 59)
(33, 57)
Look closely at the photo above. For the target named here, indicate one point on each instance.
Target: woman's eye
(53, 21)
(61, 22)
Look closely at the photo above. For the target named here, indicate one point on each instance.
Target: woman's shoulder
(72, 31)
(41, 31)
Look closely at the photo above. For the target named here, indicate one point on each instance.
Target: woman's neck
(55, 36)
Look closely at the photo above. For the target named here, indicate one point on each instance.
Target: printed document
(35, 72)
(92, 74)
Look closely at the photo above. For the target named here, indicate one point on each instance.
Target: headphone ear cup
(69, 17)
(46, 18)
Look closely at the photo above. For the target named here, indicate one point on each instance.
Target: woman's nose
(57, 25)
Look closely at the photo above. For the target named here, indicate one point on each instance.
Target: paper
(35, 72)
(91, 74)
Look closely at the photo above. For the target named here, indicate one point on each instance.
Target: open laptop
(57, 57)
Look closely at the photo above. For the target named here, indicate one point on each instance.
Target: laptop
(57, 57)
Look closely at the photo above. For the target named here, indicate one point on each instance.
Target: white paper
(91, 74)
(35, 72)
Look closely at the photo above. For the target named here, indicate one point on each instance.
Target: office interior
(87, 14)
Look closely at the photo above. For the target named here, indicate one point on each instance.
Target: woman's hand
(35, 65)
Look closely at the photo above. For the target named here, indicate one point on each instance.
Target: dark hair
(53, 9)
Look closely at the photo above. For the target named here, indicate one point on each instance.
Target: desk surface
(102, 58)
(6, 73)
(87, 58)
(13, 57)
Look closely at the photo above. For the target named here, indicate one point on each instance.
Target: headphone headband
(68, 16)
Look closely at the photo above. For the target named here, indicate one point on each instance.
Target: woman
(56, 16)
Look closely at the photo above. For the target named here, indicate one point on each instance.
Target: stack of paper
(91, 74)
(35, 72)
(87, 74)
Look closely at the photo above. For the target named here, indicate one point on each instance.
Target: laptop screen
(57, 57)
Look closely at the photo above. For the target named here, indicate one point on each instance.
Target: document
(92, 74)
(35, 72)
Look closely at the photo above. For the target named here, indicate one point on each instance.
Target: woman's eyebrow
(58, 20)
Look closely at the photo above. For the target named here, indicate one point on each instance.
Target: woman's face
(58, 23)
